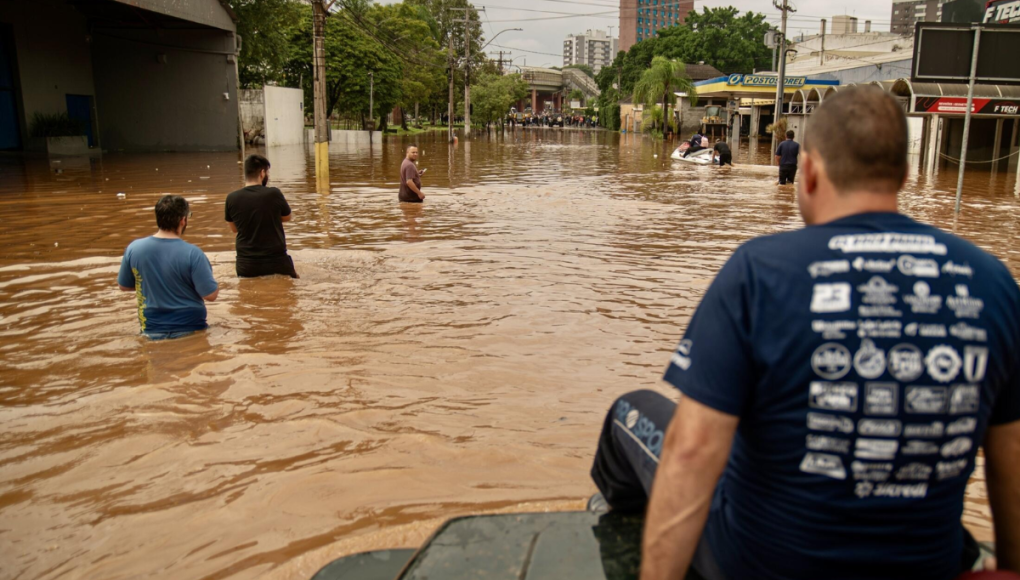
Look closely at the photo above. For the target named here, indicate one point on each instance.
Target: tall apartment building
(594, 48)
(906, 13)
(641, 19)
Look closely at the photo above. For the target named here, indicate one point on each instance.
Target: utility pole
(467, 65)
(781, 81)
(821, 59)
(371, 104)
(319, 10)
(449, 110)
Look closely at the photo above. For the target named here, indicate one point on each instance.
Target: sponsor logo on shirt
(975, 363)
(916, 471)
(879, 427)
(867, 489)
(925, 400)
(831, 361)
(869, 362)
(964, 331)
(879, 328)
(826, 443)
(964, 399)
(906, 362)
(881, 399)
(833, 396)
(829, 423)
(878, 291)
(871, 471)
(947, 469)
(921, 301)
(932, 430)
(963, 304)
(887, 243)
(960, 426)
(681, 357)
(943, 363)
(957, 446)
(925, 330)
(914, 447)
(828, 268)
(833, 297)
(874, 266)
(876, 448)
(823, 464)
(954, 269)
(833, 329)
(919, 267)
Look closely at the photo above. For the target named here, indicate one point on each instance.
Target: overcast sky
(547, 22)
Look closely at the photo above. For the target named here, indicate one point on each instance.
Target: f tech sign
(958, 106)
(1002, 12)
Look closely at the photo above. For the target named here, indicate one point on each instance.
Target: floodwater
(433, 360)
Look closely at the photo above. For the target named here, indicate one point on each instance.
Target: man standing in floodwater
(786, 156)
(172, 279)
(722, 151)
(837, 382)
(256, 214)
(410, 178)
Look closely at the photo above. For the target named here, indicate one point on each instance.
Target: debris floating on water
(56, 244)
(208, 177)
(122, 195)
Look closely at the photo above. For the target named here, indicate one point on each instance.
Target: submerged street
(433, 360)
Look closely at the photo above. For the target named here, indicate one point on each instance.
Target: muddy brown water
(436, 360)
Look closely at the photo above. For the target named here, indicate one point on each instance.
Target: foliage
(658, 83)
(493, 95)
(778, 128)
(651, 119)
(583, 68)
(264, 27)
(719, 37)
(55, 125)
(576, 95)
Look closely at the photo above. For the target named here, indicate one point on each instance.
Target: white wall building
(594, 48)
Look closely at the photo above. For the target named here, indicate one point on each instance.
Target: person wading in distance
(836, 383)
(786, 156)
(256, 214)
(172, 279)
(410, 178)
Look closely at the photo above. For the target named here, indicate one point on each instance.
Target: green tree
(663, 78)
(576, 95)
(493, 95)
(264, 27)
(720, 37)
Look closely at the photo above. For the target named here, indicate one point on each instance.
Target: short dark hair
(861, 135)
(408, 148)
(170, 210)
(790, 134)
(254, 165)
(722, 139)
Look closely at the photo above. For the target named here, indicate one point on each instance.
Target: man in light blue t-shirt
(837, 382)
(171, 278)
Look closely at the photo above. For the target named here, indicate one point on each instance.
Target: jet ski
(703, 157)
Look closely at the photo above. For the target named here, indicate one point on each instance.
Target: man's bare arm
(126, 288)
(286, 218)
(414, 188)
(212, 297)
(233, 227)
(1002, 475)
(694, 455)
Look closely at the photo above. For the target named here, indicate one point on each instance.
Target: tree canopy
(493, 95)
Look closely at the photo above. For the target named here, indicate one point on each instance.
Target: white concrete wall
(253, 115)
(284, 116)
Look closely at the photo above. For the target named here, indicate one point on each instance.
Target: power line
(592, 15)
(525, 50)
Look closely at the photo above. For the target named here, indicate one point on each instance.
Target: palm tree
(663, 78)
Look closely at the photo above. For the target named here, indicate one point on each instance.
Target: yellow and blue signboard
(764, 81)
(757, 85)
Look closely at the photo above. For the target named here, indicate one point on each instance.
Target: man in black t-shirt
(256, 214)
(722, 150)
(786, 156)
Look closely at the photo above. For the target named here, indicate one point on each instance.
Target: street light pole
(781, 81)
(319, 95)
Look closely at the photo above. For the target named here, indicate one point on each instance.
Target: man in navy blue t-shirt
(837, 382)
(786, 156)
(172, 279)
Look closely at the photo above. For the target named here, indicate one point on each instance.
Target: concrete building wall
(52, 56)
(285, 116)
(207, 12)
(252, 103)
(173, 92)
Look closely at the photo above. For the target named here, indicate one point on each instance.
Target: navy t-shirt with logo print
(866, 359)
